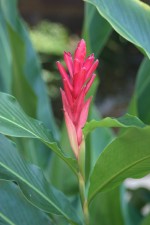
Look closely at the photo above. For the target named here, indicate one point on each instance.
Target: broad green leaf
(14, 122)
(142, 91)
(27, 63)
(5, 65)
(130, 19)
(33, 183)
(101, 208)
(15, 210)
(16, 61)
(20, 75)
(127, 156)
(20, 86)
(106, 208)
(95, 145)
(125, 121)
(96, 30)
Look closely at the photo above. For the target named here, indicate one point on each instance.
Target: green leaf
(101, 208)
(15, 61)
(14, 122)
(125, 121)
(96, 30)
(130, 19)
(127, 156)
(142, 91)
(33, 183)
(28, 62)
(15, 210)
(58, 169)
(95, 145)
(21, 89)
(20, 75)
(5, 66)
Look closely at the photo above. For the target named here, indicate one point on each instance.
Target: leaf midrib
(117, 174)
(38, 137)
(35, 189)
(16, 124)
(6, 219)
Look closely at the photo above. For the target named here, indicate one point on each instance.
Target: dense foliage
(38, 172)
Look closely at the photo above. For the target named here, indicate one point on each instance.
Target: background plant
(41, 200)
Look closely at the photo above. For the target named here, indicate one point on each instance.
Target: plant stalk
(83, 199)
(81, 178)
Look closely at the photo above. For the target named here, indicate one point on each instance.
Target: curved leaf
(14, 122)
(96, 30)
(28, 65)
(142, 91)
(130, 19)
(95, 145)
(33, 183)
(14, 209)
(125, 121)
(127, 156)
(21, 75)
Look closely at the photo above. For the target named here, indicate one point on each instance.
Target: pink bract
(77, 83)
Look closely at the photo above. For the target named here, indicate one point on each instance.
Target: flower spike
(76, 85)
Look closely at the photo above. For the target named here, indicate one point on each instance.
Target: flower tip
(91, 56)
(67, 53)
(82, 43)
(97, 61)
(82, 40)
(57, 64)
(61, 91)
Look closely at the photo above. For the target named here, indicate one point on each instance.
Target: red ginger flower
(76, 85)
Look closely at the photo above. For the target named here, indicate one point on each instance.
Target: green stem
(83, 199)
(81, 178)
(86, 213)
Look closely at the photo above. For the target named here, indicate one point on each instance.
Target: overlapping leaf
(14, 122)
(96, 30)
(15, 210)
(142, 91)
(32, 183)
(127, 156)
(126, 121)
(130, 19)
